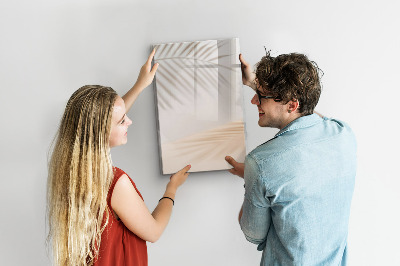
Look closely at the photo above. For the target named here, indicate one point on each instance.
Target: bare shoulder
(123, 181)
(124, 191)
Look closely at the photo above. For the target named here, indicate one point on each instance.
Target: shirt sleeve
(256, 217)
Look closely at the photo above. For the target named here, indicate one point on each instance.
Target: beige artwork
(199, 104)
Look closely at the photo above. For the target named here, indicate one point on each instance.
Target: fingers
(244, 63)
(182, 175)
(154, 69)
(185, 169)
(151, 56)
(230, 160)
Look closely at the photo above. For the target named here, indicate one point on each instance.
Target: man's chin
(264, 124)
(261, 124)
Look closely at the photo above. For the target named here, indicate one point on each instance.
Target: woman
(96, 214)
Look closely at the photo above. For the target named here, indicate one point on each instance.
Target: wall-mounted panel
(199, 104)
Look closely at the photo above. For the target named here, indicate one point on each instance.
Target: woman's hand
(129, 206)
(147, 73)
(176, 180)
(248, 76)
(145, 78)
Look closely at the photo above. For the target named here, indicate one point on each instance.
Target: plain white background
(48, 49)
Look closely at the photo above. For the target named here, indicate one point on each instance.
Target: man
(299, 184)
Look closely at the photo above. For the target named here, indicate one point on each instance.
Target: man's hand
(238, 168)
(248, 76)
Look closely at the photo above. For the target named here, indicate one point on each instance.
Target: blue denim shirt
(298, 190)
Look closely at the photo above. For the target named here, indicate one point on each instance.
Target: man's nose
(254, 100)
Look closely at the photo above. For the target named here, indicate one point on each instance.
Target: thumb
(151, 56)
(230, 160)
(186, 168)
(154, 69)
(242, 60)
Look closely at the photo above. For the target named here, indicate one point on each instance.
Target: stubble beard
(266, 122)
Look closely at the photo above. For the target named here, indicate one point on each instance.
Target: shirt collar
(301, 122)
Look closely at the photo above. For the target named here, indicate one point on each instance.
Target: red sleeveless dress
(119, 246)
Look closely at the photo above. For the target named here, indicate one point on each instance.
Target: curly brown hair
(290, 77)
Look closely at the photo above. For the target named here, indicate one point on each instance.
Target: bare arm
(144, 79)
(248, 75)
(162, 212)
(133, 212)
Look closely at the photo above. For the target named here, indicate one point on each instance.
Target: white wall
(48, 49)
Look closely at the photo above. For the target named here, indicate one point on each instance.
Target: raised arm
(248, 75)
(145, 78)
(131, 209)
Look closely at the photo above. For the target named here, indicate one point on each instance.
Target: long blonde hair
(80, 173)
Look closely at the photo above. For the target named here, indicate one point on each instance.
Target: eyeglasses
(265, 97)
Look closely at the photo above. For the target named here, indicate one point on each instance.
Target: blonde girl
(96, 214)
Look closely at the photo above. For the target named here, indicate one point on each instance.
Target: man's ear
(293, 105)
